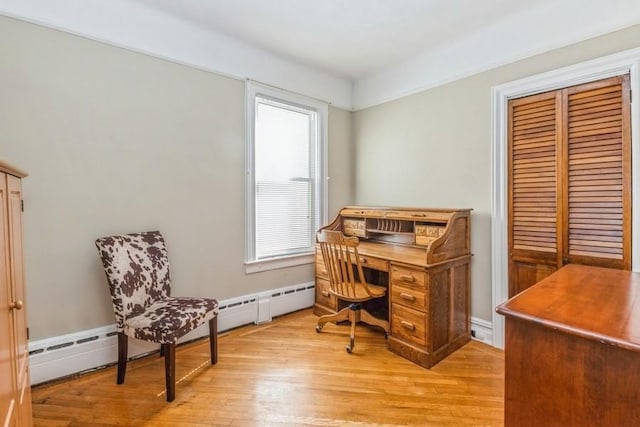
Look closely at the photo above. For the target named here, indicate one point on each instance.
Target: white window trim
(612, 65)
(252, 90)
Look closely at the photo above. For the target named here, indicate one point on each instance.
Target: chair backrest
(340, 256)
(137, 269)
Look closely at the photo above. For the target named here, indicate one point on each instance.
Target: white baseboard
(482, 330)
(61, 356)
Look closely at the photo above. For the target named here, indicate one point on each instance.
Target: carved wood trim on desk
(424, 257)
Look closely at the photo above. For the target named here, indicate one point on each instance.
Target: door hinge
(22, 205)
(27, 334)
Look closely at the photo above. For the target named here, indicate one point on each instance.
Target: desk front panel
(323, 296)
(321, 269)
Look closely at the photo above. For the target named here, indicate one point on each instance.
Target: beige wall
(116, 141)
(433, 149)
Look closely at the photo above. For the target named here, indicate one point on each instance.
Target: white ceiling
(348, 38)
(351, 53)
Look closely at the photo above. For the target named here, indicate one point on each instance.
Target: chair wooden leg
(213, 340)
(340, 316)
(369, 319)
(123, 342)
(354, 317)
(170, 370)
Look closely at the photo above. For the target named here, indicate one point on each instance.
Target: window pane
(284, 184)
(281, 143)
(283, 214)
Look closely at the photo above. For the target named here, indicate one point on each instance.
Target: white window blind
(285, 173)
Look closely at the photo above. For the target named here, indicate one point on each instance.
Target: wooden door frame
(624, 62)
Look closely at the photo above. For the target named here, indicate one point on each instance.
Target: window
(286, 176)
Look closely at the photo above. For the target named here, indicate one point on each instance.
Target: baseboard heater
(62, 356)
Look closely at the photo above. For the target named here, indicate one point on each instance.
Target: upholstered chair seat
(169, 319)
(137, 269)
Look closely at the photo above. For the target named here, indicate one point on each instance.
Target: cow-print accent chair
(137, 269)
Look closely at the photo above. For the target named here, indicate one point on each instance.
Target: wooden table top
(595, 303)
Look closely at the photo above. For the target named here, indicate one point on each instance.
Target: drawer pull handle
(408, 325)
(408, 278)
(363, 260)
(324, 294)
(407, 297)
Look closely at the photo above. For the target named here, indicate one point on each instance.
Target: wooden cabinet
(422, 256)
(569, 180)
(15, 388)
(572, 351)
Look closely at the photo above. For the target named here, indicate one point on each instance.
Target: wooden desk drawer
(374, 263)
(409, 297)
(323, 296)
(408, 324)
(408, 277)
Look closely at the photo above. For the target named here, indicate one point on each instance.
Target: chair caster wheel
(350, 346)
(318, 328)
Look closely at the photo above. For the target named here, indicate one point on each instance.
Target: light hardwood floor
(285, 374)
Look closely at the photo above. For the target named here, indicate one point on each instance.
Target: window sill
(281, 262)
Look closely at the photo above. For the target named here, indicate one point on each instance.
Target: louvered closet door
(569, 180)
(534, 129)
(599, 174)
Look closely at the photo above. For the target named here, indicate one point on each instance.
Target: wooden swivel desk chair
(137, 269)
(340, 255)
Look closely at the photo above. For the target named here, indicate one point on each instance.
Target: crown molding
(139, 28)
(537, 30)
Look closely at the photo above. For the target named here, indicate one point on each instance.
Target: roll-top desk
(422, 256)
